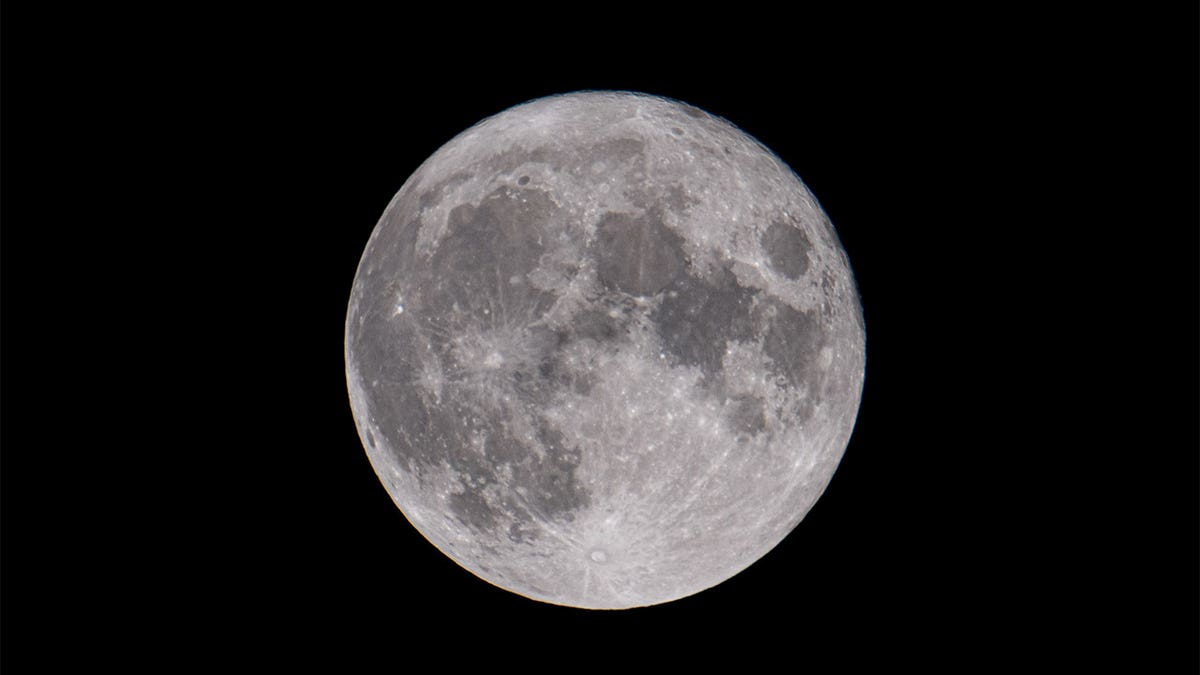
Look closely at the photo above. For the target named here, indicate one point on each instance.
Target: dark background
(185, 199)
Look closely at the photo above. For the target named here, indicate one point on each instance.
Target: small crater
(370, 439)
(522, 533)
(677, 131)
(523, 180)
(598, 555)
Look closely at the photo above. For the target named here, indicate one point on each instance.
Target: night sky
(185, 199)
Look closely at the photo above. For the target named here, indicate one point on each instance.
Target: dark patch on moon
(697, 317)
(434, 195)
(637, 254)
(787, 249)
(595, 329)
(555, 374)
(526, 369)
(461, 433)
(746, 416)
(487, 245)
(596, 325)
(437, 432)
(396, 243)
(522, 533)
(583, 383)
(678, 199)
(527, 476)
(793, 341)
(392, 397)
(828, 287)
(552, 485)
(543, 480)
(472, 509)
(514, 157)
(616, 150)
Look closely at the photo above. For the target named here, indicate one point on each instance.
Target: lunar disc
(604, 350)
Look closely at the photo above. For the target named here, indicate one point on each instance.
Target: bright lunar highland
(604, 350)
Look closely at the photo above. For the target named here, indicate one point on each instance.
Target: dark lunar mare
(697, 316)
(637, 254)
(485, 247)
(746, 416)
(467, 285)
(787, 249)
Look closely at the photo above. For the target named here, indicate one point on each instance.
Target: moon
(604, 350)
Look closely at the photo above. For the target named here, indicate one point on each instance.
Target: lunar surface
(604, 350)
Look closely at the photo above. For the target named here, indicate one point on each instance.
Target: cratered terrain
(604, 350)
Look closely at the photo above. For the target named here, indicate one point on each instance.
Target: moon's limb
(604, 350)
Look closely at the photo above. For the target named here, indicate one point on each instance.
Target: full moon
(604, 350)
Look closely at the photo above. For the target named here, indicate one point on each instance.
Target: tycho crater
(604, 350)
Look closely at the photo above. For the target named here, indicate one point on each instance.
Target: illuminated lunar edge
(604, 350)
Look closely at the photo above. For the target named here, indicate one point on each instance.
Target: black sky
(186, 198)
